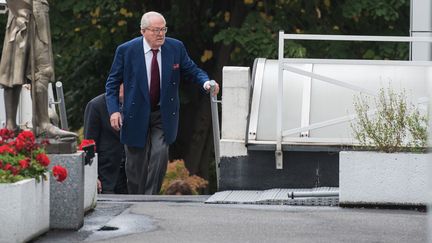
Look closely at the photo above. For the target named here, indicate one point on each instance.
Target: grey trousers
(146, 167)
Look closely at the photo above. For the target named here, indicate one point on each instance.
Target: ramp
(321, 196)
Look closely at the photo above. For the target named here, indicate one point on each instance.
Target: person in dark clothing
(111, 155)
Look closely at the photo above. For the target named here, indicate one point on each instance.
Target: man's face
(155, 33)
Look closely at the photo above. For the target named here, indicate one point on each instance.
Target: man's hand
(99, 186)
(207, 87)
(116, 121)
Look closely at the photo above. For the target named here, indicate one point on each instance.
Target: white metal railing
(354, 38)
(282, 66)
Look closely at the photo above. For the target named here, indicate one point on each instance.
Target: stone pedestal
(67, 198)
(58, 146)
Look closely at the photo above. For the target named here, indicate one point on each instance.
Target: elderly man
(150, 67)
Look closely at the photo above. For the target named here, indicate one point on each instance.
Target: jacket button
(172, 99)
(133, 103)
(174, 83)
(173, 113)
(130, 116)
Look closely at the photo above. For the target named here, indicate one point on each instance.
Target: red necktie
(154, 81)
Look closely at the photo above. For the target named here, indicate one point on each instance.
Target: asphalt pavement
(131, 218)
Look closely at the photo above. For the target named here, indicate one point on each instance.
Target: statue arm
(21, 11)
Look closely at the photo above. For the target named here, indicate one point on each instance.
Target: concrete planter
(24, 210)
(90, 185)
(371, 178)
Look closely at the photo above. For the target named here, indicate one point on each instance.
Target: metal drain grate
(321, 196)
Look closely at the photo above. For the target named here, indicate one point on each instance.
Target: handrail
(282, 61)
(355, 38)
(216, 134)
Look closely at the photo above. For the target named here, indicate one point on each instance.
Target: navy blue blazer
(129, 67)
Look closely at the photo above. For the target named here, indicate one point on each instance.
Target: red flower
(43, 159)
(14, 171)
(86, 142)
(18, 144)
(6, 149)
(26, 136)
(6, 134)
(59, 173)
(7, 166)
(24, 163)
(25, 140)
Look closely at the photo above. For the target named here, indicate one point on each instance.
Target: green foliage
(257, 36)
(85, 35)
(376, 9)
(395, 126)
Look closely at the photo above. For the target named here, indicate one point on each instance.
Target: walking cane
(215, 122)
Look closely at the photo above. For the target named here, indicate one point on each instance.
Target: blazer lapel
(167, 63)
(141, 70)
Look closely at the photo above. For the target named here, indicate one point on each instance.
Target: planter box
(24, 210)
(90, 185)
(371, 178)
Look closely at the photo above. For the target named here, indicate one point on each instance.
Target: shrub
(178, 180)
(395, 126)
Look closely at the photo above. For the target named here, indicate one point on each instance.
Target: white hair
(145, 19)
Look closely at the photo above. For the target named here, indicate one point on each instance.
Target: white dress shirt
(148, 59)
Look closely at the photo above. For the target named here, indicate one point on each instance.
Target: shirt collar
(147, 46)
